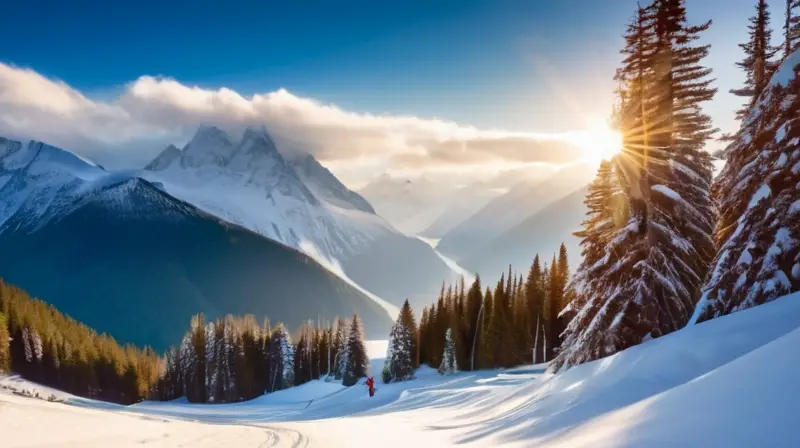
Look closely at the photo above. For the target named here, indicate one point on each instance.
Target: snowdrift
(731, 381)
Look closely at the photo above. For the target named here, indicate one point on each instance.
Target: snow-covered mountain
(293, 199)
(510, 209)
(117, 252)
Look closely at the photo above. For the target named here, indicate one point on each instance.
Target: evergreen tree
(449, 364)
(472, 318)
(399, 365)
(325, 336)
(196, 387)
(758, 63)
(553, 298)
(281, 359)
(212, 366)
(791, 28)
(357, 361)
(652, 269)
(486, 341)
(407, 317)
(339, 348)
(759, 256)
(301, 365)
(534, 298)
(603, 218)
(424, 323)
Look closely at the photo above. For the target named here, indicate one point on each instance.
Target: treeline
(234, 359)
(43, 345)
(516, 322)
(228, 360)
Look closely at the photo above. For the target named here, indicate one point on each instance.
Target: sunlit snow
(689, 388)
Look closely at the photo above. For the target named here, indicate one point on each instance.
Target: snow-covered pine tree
(211, 363)
(230, 353)
(449, 364)
(759, 230)
(603, 218)
(339, 347)
(171, 380)
(399, 360)
(758, 63)
(650, 276)
(407, 316)
(281, 359)
(186, 357)
(357, 362)
(197, 383)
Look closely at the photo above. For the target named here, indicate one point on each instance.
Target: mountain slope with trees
(128, 259)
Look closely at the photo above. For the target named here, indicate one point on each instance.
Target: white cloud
(153, 111)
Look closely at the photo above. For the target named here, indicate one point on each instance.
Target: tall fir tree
(791, 27)
(553, 299)
(653, 268)
(357, 365)
(301, 366)
(410, 322)
(423, 332)
(758, 63)
(486, 341)
(472, 317)
(535, 297)
(399, 364)
(604, 217)
(281, 359)
(449, 364)
(339, 347)
(757, 193)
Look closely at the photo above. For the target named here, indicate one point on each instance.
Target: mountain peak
(257, 139)
(209, 145)
(322, 182)
(256, 132)
(41, 157)
(164, 159)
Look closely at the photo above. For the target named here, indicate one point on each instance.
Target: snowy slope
(727, 382)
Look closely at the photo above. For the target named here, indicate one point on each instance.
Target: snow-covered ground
(728, 382)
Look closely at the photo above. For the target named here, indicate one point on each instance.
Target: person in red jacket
(371, 385)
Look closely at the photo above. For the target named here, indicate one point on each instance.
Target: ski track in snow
(689, 388)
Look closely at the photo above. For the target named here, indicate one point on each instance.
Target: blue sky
(527, 65)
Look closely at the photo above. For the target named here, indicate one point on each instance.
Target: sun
(599, 142)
